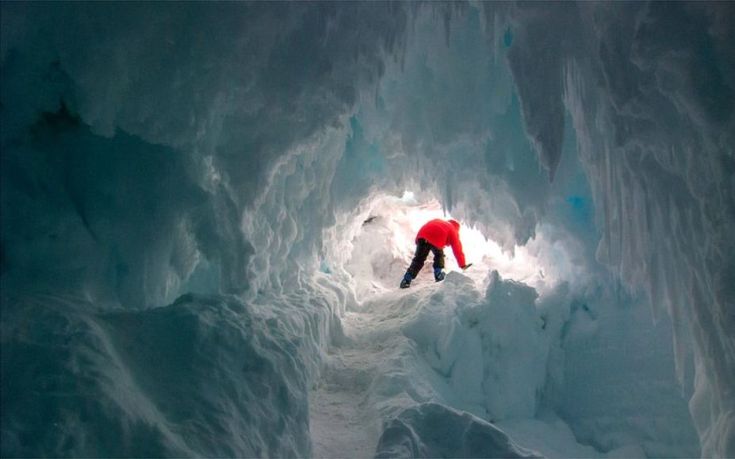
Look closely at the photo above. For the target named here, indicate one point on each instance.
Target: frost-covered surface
(188, 379)
(150, 151)
(506, 356)
(433, 430)
(657, 141)
(557, 360)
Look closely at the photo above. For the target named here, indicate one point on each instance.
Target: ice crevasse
(204, 221)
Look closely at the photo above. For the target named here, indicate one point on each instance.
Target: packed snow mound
(188, 379)
(499, 355)
(455, 327)
(408, 365)
(433, 430)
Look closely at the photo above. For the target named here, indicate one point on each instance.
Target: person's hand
(464, 268)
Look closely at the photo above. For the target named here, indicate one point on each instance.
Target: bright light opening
(384, 245)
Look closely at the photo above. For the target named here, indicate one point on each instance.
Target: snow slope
(404, 349)
(80, 381)
(405, 381)
(381, 397)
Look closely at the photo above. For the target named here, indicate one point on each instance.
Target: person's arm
(457, 250)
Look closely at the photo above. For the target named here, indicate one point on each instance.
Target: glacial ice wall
(150, 150)
(656, 138)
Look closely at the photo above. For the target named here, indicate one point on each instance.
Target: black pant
(422, 251)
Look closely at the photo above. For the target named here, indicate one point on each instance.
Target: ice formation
(206, 210)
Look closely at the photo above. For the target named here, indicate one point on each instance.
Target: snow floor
(343, 423)
(377, 372)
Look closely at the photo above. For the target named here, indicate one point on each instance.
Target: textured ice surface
(433, 430)
(188, 379)
(657, 141)
(151, 151)
(405, 349)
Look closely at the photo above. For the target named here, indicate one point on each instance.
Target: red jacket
(441, 233)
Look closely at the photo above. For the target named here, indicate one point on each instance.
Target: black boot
(406, 282)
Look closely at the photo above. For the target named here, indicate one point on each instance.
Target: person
(433, 237)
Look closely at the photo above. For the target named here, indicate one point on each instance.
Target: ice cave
(207, 209)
